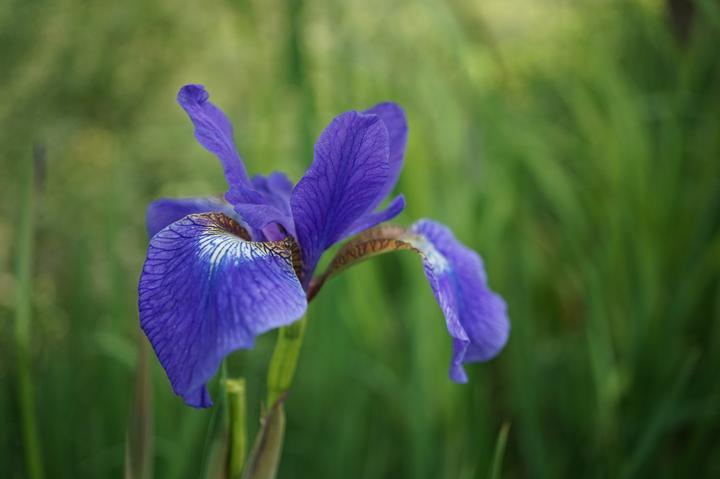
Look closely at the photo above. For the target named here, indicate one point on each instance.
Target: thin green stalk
(23, 314)
(237, 446)
(284, 359)
(496, 468)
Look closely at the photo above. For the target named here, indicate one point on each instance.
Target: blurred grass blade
(496, 468)
(23, 315)
(139, 440)
(664, 412)
(265, 455)
(237, 440)
(710, 11)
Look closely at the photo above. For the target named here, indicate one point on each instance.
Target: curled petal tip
(193, 93)
(457, 374)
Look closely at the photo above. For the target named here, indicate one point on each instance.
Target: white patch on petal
(435, 260)
(214, 247)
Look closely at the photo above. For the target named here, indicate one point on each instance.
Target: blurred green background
(574, 144)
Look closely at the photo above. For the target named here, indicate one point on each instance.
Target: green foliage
(574, 144)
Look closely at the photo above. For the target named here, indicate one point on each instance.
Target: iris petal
(162, 212)
(476, 316)
(276, 188)
(394, 118)
(206, 290)
(369, 220)
(262, 216)
(349, 170)
(214, 131)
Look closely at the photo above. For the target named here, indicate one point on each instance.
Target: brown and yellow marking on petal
(287, 249)
(227, 225)
(291, 246)
(373, 242)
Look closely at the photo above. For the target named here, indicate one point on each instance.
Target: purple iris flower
(221, 271)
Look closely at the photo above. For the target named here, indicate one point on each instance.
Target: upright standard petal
(394, 118)
(214, 131)
(264, 221)
(349, 170)
(206, 290)
(369, 220)
(165, 211)
(274, 217)
(276, 189)
(476, 316)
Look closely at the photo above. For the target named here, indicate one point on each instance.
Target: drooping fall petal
(206, 290)
(475, 316)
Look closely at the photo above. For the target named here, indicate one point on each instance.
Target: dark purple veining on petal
(349, 169)
(206, 289)
(205, 292)
(394, 119)
(476, 316)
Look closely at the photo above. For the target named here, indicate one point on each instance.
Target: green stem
(238, 418)
(284, 359)
(23, 314)
(267, 449)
